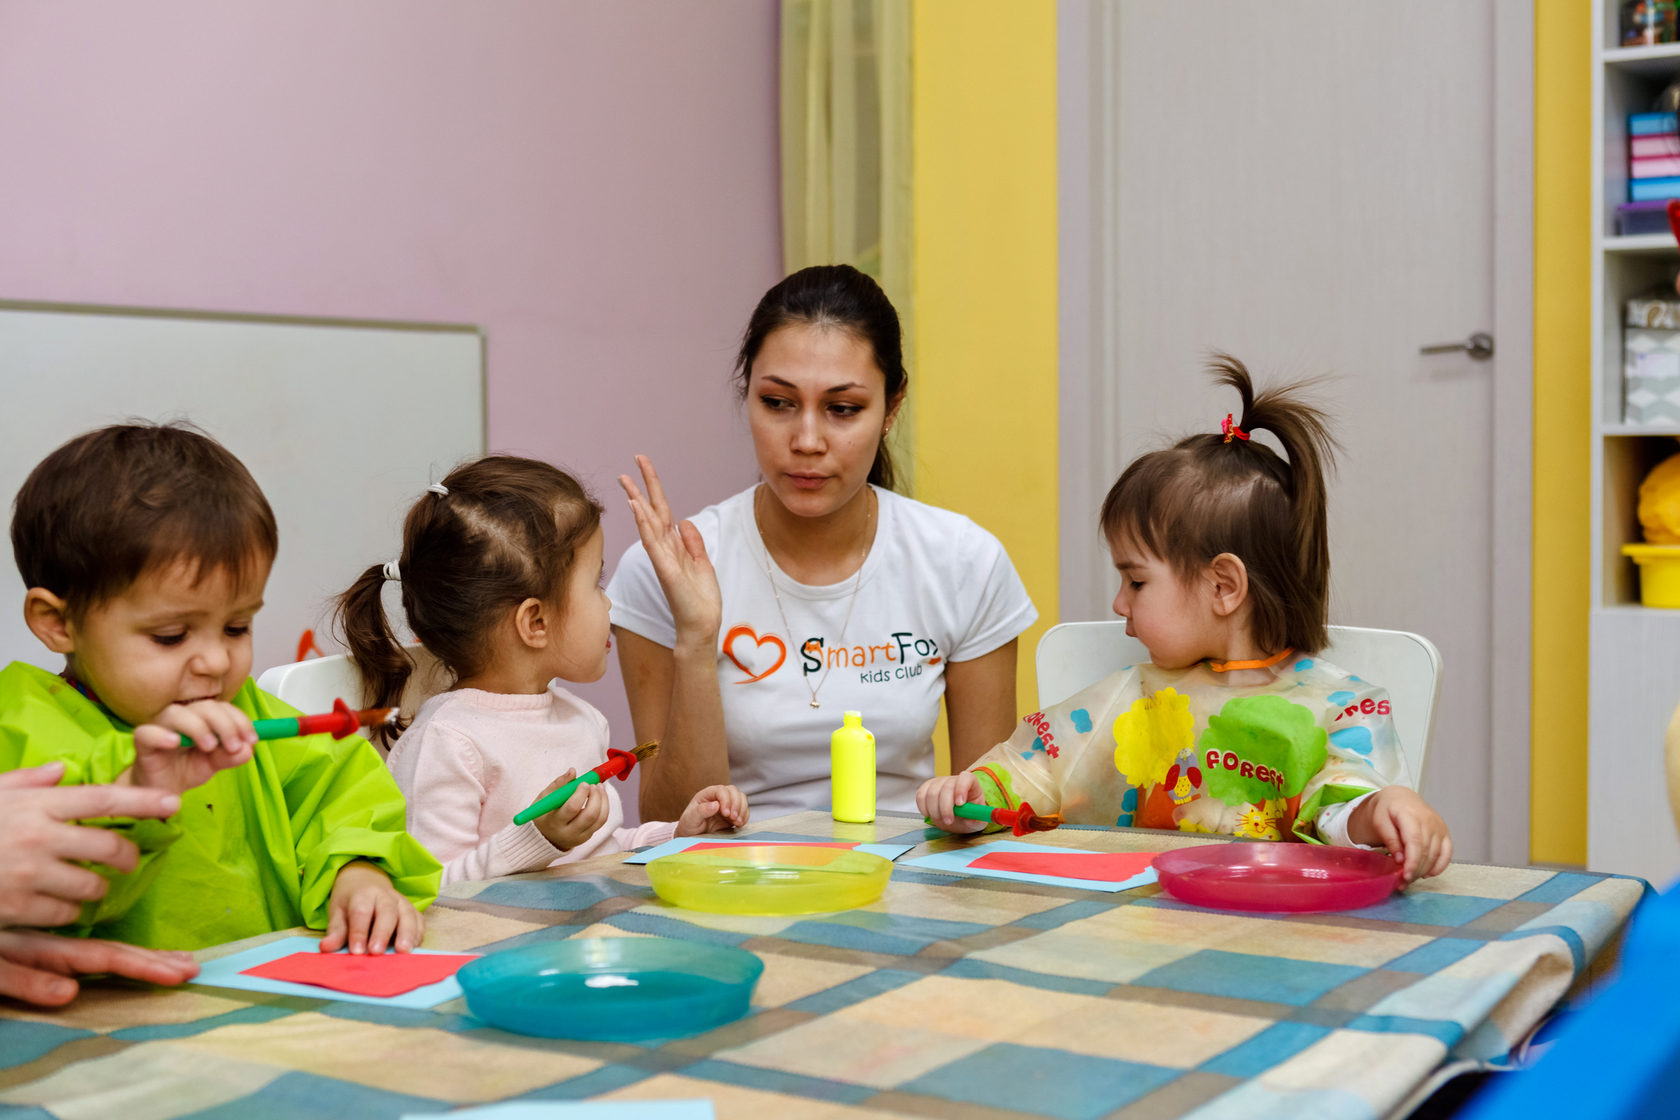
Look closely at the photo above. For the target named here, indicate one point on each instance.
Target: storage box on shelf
(1653, 165)
(1651, 362)
(1643, 219)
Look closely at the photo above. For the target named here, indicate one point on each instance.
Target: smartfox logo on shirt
(757, 656)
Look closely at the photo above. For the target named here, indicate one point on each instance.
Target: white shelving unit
(1635, 651)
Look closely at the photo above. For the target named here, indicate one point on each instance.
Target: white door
(1310, 187)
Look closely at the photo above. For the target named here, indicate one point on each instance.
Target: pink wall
(594, 183)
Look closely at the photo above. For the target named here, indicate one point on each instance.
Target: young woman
(831, 592)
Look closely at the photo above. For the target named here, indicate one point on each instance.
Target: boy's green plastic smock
(253, 850)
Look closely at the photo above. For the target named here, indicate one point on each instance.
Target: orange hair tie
(1229, 427)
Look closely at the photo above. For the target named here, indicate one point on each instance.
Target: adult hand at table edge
(39, 968)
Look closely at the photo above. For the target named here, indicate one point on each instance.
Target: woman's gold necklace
(857, 581)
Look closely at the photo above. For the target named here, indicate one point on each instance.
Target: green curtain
(845, 132)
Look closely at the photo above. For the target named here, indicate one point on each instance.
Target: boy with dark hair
(145, 550)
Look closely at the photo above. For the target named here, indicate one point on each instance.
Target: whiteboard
(343, 425)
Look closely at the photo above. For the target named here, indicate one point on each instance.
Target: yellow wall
(1563, 38)
(984, 219)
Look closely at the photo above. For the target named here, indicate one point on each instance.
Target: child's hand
(678, 555)
(578, 817)
(366, 910)
(713, 809)
(937, 796)
(1401, 821)
(222, 736)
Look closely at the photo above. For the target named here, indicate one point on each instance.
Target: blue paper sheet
(958, 862)
(683, 843)
(581, 1110)
(224, 972)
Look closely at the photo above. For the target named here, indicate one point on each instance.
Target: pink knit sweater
(472, 759)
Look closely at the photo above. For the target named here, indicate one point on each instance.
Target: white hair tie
(439, 489)
(392, 571)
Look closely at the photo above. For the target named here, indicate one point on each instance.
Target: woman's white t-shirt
(934, 588)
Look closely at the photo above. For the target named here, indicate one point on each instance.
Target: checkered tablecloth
(951, 997)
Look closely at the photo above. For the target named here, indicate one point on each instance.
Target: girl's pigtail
(384, 666)
(495, 532)
(1303, 431)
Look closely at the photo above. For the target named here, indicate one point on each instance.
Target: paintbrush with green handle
(1021, 821)
(338, 723)
(618, 764)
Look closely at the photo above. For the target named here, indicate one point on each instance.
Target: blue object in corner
(1618, 1054)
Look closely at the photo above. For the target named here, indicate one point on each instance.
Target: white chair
(313, 685)
(1072, 655)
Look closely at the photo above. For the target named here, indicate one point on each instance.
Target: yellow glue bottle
(852, 762)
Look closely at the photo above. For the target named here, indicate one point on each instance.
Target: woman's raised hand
(679, 557)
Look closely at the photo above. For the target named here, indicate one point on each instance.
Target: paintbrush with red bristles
(338, 723)
(618, 765)
(1021, 821)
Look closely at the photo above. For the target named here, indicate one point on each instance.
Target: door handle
(1479, 346)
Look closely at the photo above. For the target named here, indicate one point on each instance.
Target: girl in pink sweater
(500, 573)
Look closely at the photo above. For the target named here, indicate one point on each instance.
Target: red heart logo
(758, 642)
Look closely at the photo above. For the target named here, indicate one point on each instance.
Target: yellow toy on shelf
(1659, 516)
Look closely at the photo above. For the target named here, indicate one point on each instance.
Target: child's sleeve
(441, 777)
(344, 805)
(1061, 759)
(648, 832)
(1015, 771)
(341, 804)
(1363, 756)
(35, 731)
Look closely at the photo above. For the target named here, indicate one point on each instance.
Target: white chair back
(1072, 655)
(313, 685)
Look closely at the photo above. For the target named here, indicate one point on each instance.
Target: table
(952, 996)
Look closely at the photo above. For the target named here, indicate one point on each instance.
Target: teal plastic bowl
(611, 989)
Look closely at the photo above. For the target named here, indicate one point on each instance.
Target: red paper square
(712, 845)
(388, 974)
(1103, 867)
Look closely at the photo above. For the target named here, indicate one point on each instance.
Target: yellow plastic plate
(768, 879)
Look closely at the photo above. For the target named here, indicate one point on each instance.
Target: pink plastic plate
(1280, 877)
